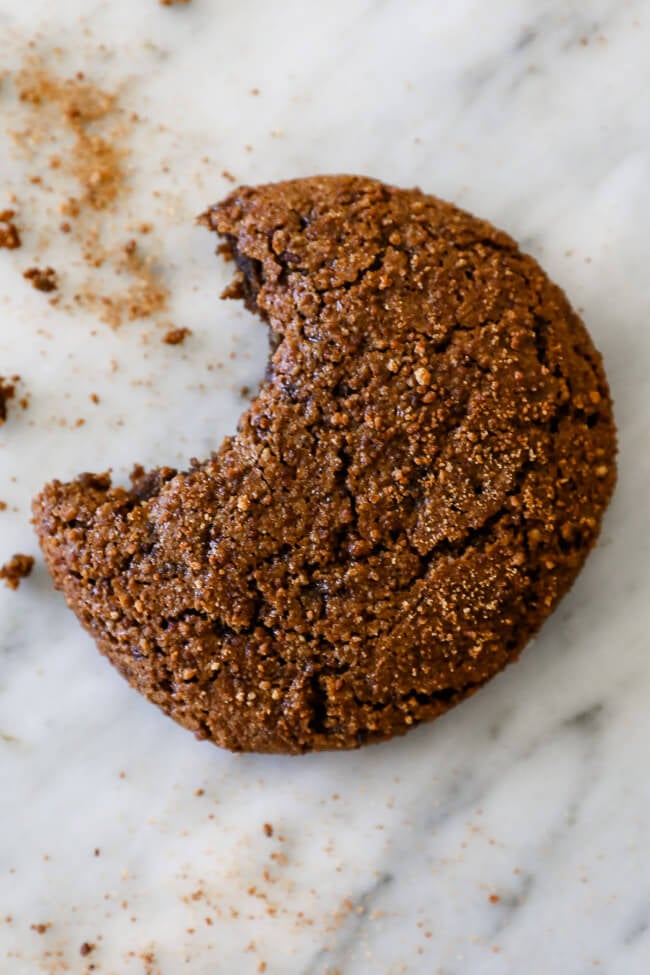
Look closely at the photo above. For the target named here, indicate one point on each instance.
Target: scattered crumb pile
(43, 280)
(73, 137)
(9, 235)
(95, 153)
(17, 568)
(7, 392)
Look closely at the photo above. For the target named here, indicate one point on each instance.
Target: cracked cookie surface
(415, 486)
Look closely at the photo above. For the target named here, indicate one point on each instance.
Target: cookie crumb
(268, 829)
(7, 392)
(176, 336)
(43, 280)
(228, 175)
(9, 234)
(18, 567)
(41, 928)
(86, 948)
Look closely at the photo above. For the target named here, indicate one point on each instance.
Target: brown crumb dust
(9, 234)
(144, 297)
(176, 336)
(148, 959)
(96, 157)
(41, 928)
(268, 829)
(86, 948)
(18, 567)
(45, 279)
(415, 486)
(82, 131)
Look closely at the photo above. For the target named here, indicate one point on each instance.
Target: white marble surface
(535, 114)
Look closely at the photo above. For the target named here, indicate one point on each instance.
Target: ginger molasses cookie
(415, 486)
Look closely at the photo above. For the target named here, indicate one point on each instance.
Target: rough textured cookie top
(415, 486)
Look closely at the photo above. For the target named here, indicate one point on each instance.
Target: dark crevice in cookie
(251, 276)
(540, 334)
(444, 695)
(147, 484)
(318, 699)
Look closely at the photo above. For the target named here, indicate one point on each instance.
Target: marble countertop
(511, 836)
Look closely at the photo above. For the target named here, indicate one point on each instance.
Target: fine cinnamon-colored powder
(76, 136)
(91, 116)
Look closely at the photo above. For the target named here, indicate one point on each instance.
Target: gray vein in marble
(352, 930)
